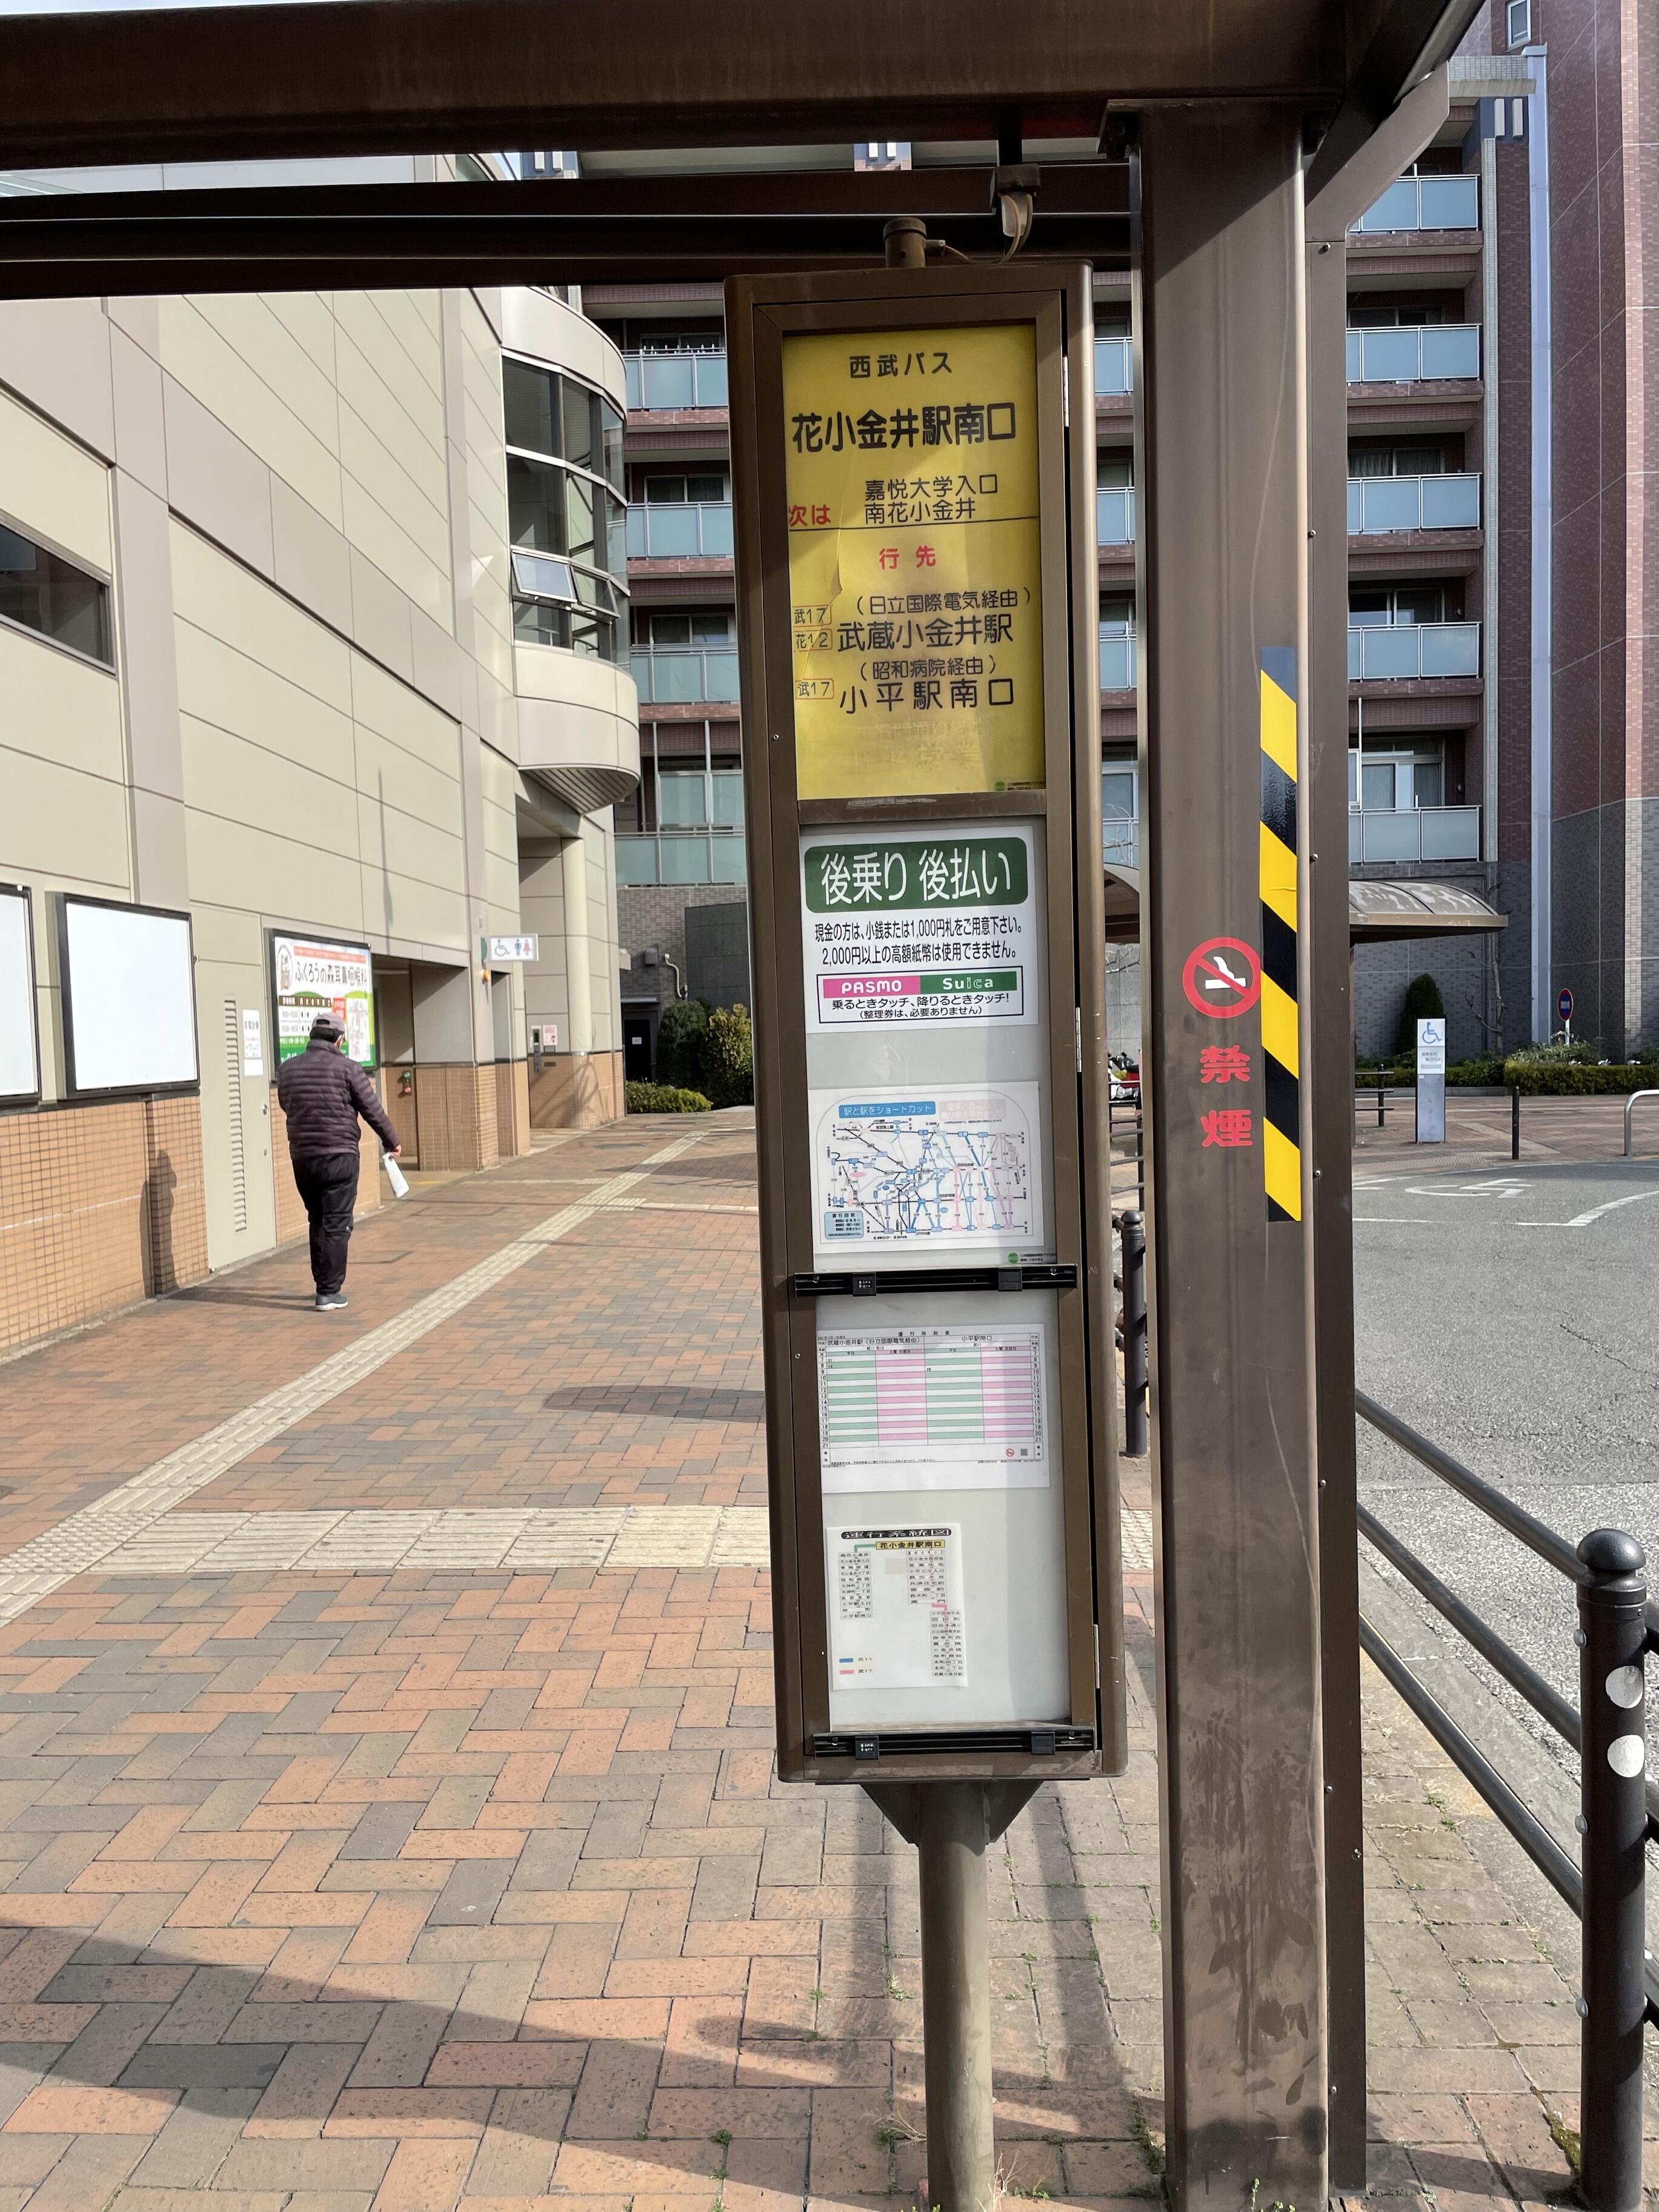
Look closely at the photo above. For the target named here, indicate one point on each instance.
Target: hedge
(662, 1098)
(1537, 1078)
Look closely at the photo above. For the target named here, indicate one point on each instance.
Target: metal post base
(952, 1823)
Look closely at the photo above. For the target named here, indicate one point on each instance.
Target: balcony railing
(1120, 842)
(1414, 353)
(1422, 833)
(1381, 650)
(670, 675)
(680, 856)
(1115, 367)
(668, 532)
(1425, 203)
(1117, 663)
(676, 380)
(1380, 503)
(1115, 514)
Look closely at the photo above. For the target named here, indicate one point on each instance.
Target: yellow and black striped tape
(1281, 1011)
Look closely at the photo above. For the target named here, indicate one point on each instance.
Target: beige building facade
(269, 659)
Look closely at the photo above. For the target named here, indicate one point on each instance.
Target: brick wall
(100, 1206)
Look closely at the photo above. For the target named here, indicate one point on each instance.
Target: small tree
(681, 1028)
(728, 1058)
(1423, 1003)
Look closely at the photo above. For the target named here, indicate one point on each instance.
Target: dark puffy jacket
(322, 1092)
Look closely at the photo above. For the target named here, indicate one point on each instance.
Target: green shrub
(662, 1098)
(1566, 1079)
(1581, 1053)
(681, 1028)
(1422, 1003)
(728, 1058)
(1484, 1069)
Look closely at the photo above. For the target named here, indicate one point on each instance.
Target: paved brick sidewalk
(335, 1892)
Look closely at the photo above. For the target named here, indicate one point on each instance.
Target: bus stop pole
(1222, 284)
(956, 1996)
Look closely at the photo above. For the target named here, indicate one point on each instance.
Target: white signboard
(129, 1000)
(1431, 1046)
(20, 1059)
(908, 1409)
(896, 1608)
(253, 1049)
(959, 1168)
(501, 951)
(931, 930)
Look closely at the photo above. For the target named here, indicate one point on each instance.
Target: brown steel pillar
(1394, 146)
(1240, 1754)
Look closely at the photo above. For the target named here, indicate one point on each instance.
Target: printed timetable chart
(932, 1409)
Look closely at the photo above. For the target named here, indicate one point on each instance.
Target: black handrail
(1538, 1694)
(1491, 1500)
(1619, 1807)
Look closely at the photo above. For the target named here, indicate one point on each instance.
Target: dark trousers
(329, 1187)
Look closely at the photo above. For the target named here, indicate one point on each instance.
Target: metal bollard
(1136, 1424)
(1515, 1121)
(1382, 1102)
(1613, 1629)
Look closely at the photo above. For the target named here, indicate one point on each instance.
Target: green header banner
(917, 873)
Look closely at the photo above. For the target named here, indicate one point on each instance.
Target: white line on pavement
(86, 1538)
(1583, 1220)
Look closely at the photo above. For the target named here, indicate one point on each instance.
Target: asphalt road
(1513, 1318)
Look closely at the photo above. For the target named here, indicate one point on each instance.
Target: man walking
(321, 1093)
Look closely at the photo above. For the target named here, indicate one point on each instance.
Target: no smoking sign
(1222, 977)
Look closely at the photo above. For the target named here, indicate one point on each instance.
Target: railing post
(1515, 1121)
(1136, 1434)
(1613, 1640)
(1382, 1098)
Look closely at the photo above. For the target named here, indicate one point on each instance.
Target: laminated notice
(937, 930)
(896, 1608)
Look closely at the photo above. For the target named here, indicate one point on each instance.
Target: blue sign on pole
(1563, 1004)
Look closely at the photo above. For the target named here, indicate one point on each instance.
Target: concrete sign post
(1431, 1081)
(916, 580)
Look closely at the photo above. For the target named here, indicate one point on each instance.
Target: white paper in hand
(395, 1175)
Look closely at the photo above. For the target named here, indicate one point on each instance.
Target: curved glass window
(565, 515)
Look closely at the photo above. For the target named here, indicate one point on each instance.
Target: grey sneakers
(331, 1301)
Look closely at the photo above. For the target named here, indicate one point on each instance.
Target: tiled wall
(512, 1106)
(100, 1206)
(577, 1091)
(457, 1107)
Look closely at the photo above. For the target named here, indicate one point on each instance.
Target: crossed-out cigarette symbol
(1222, 977)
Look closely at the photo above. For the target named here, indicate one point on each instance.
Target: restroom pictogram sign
(1222, 977)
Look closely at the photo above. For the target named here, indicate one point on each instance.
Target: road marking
(1410, 1220)
(85, 1538)
(1583, 1220)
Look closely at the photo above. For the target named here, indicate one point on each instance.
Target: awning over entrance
(1378, 912)
(1381, 912)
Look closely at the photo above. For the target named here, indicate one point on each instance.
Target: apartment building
(313, 690)
(1499, 592)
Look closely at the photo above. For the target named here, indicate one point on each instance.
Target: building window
(1408, 604)
(1517, 23)
(1396, 460)
(566, 516)
(42, 592)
